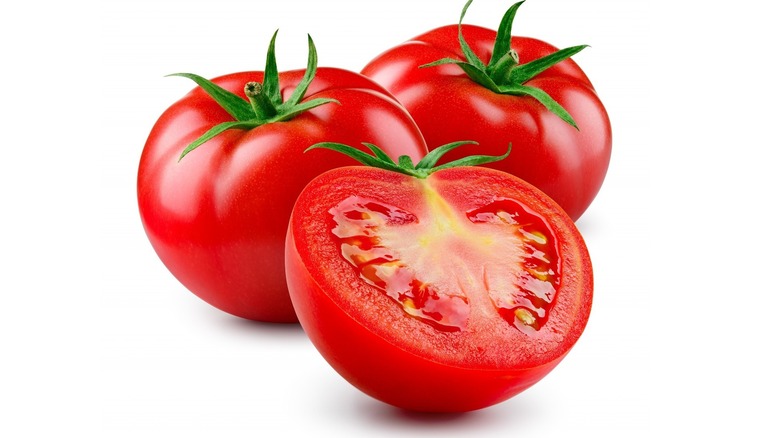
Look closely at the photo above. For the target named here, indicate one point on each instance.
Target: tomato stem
(504, 74)
(425, 167)
(501, 71)
(265, 100)
(261, 103)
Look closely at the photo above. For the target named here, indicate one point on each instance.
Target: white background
(99, 339)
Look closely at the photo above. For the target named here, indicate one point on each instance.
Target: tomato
(471, 87)
(217, 217)
(445, 293)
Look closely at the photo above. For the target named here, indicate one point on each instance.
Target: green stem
(501, 71)
(265, 100)
(424, 167)
(260, 102)
(504, 74)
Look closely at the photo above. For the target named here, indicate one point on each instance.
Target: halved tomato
(447, 292)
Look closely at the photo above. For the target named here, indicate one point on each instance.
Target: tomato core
(449, 268)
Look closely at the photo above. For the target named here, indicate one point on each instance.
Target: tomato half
(567, 163)
(217, 217)
(448, 293)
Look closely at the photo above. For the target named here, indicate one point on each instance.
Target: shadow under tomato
(433, 417)
(278, 331)
(588, 225)
(271, 327)
(386, 416)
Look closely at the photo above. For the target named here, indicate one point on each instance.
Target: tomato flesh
(471, 281)
(525, 299)
(501, 250)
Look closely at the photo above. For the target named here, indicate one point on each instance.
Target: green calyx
(422, 170)
(264, 103)
(504, 74)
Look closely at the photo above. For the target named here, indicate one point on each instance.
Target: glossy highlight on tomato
(448, 293)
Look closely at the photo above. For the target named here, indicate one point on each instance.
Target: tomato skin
(217, 219)
(394, 358)
(568, 165)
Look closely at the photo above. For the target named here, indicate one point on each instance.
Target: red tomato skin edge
(428, 386)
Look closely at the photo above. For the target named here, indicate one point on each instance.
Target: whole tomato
(217, 215)
(436, 288)
(463, 82)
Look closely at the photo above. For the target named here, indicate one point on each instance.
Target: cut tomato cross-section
(408, 260)
(450, 292)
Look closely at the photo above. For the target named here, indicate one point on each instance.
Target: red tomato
(448, 293)
(567, 163)
(217, 218)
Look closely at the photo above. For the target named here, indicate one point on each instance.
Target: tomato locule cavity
(525, 302)
(371, 236)
(504, 258)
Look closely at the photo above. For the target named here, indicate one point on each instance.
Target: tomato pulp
(449, 293)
